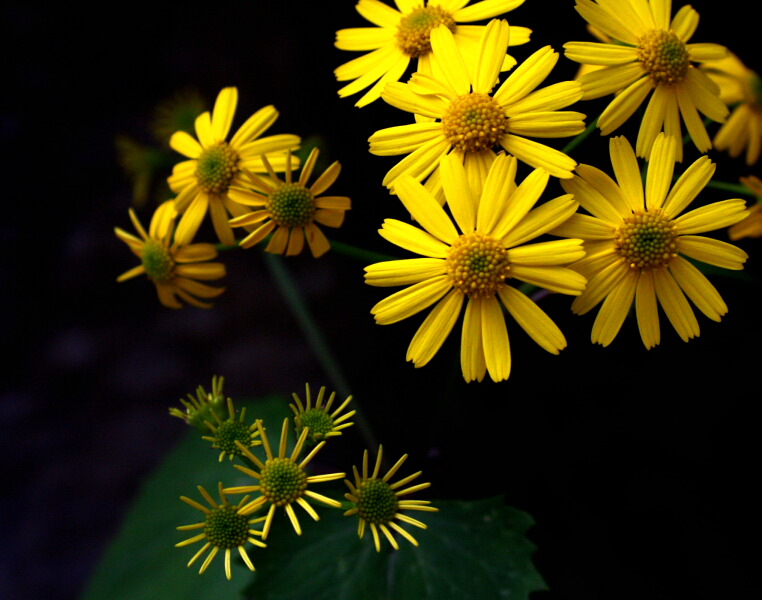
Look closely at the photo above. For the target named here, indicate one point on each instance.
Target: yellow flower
(174, 267)
(319, 419)
(203, 407)
(751, 226)
(636, 241)
(654, 55)
(225, 527)
(228, 434)
(401, 36)
(291, 209)
(378, 503)
(202, 183)
(282, 480)
(742, 87)
(476, 263)
(466, 119)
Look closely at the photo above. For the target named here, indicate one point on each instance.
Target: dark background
(636, 465)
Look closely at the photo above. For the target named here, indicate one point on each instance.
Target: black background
(637, 466)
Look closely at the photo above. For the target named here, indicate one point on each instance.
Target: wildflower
(282, 480)
(319, 419)
(741, 89)
(202, 183)
(225, 527)
(476, 265)
(173, 266)
(751, 226)
(403, 35)
(203, 407)
(378, 503)
(466, 119)
(652, 54)
(636, 242)
(177, 113)
(291, 209)
(232, 434)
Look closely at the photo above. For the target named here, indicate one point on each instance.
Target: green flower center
(225, 528)
(664, 56)
(319, 422)
(376, 501)
(414, 29)
(477, 264)
(157, 261)
(646, 240)
(282, 481)
(292, 205)
(230, 432)
(217, 165)
(474, 122)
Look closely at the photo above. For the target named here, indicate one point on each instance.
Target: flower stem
(581, 137)
(368, 256)
(738, 188)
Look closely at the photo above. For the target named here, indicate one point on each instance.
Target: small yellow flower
(291, 208)
(225, 527)
(635, 242)
(378, 502)
(403, 35)
(229, 435)
(174, 267)
(203, 407)
(321, 422)
(282, 480)
(652, 54)
(202, 183)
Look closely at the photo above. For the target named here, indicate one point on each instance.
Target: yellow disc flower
(282, 480)
(173, 267)
(202, 183)
(225, 527)
(466, 119)
(319, 419)
(202, 408)
(636, 242)
(227, 434)
(291, 208)
(475, 265)
(378, 502)
(653, 55)
(401, 36)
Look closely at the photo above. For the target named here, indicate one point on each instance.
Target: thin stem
(581, 137)
(738, 188)
(368, 256)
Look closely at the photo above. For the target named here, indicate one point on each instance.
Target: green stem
(581, 137)
(361, 254)
(316, 340)
(738, 188)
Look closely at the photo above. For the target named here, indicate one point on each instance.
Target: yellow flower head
(378, 503)
(205, 406)
(635, 242)
(464, 117)
(229, 435)
(319, 419)
(403, 35)
(282, 480)
(224, 527)
(653, 55)
(473, 267)
(291, 208)
(174, 267)
(202, 183)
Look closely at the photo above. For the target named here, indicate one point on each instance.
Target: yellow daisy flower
(319, 419)
(653, 55)
(636, 242)
(466, 119)
(751, 226)
(225, 527)
(228, 434)
(741, 88)
(202, 183)
(174, 267)
(378, 503)
(291, 209)
(476, 263)
(282, 480)
(401, 36)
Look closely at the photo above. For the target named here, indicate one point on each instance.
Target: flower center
(663, 56)
(319, 422)
(225, 528)
(376, 501)
(646, 240)
(474, 122)
(477, 264)
(217, 165)
(157, 261)
(292, 205)
(414, 29)
(282, 481)
(230, 432)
